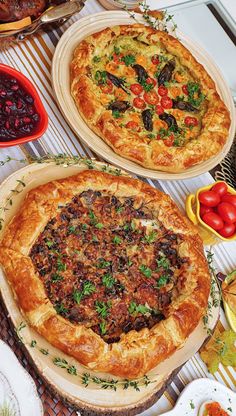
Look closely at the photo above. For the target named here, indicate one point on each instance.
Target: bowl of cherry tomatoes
(213, 207)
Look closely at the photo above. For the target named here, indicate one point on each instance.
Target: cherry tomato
(170, 140)
(139, 103)
(107, 88)
(136, 89)
(150, 80)
(228, 230)
(155, 59)
(220, 188)
(191, 121)
(213, 220)
(230, 198)
(227, 212)
(209, 198)
(118, 58)
(162, 91)
(132, 125)
(166, 102)
(151, 97)
(185, 89)
(159, 109)
(204, 209)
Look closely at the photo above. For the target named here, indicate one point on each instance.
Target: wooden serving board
(66, 376)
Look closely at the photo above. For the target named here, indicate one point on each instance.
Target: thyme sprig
(215, 292)
(157, 20)
(9, 201)
(86, 379)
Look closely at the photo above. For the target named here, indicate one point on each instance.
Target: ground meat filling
(108, 264)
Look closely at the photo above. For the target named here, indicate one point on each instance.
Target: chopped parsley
(116, 113)
(71, 229)
(99, 225)
(56, 277)
(147, 87)
(150, 238)
(108, 280)
(60, 308)
(102, 308)
(101, 77)
(96, 59)
(88, 289)
(145, 270)
(117, 50)
(129, 60)
(49, 243)
(117, 239)
(93, 218)
(163, 262)
(103, 264)
(84, 227)
(192, 404)
(162, 281)
(135, 309)
(119, 209)
(61, 267)
(151, 136)
(102, 327)
(195, 96)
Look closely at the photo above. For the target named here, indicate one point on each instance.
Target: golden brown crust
(153, 154)
(136, 352)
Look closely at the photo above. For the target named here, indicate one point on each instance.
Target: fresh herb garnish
(108, 280)
(163, 262)
(60, 308)
(119, 209)
(61, 267)
(49, 243)
(195, 96)
(103, 264)
(71, 229)
(150, 238)
(102, 327)
(117, 50)
(96, 59)
(129, 60)
(162, 281)
(192, 404)
(117, 240)
(102, 308)
(93, 218)
(147, 87)
(88, 289)
(145, 270)
(101, 77)
(116, 113)
(135, 309)
(99, 225)
(56, 277)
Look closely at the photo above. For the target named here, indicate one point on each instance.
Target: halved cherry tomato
(151, 97)
(170, 140)
(139, 103)
(213, 220)
(136, 89)
(220, 188)
(227, 212)
(155, 59)
(185, 89)
(162, 91)
(118, 58)
(191, 121)
(230, 198)
(107, 88)
(150, 80)
(228, 230)
(166, 102)
(159, 109)
(132, 125)
(209, 198)
(204, 209)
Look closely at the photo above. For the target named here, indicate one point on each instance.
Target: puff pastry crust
(136, 352)
(160, 146)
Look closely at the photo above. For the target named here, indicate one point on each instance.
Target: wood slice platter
(91, 392)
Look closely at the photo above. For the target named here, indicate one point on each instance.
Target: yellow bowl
(192, 206)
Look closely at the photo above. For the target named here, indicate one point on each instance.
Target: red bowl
(29, 87)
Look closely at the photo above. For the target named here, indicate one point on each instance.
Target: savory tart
(108, 270)
(148, 98)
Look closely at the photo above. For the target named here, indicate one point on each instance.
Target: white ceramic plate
(61, 84)
(69, 386)
(17, 389)
(200, 391)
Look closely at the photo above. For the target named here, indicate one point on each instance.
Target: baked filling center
(107, 264)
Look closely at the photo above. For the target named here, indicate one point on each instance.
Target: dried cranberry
(18, 113)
